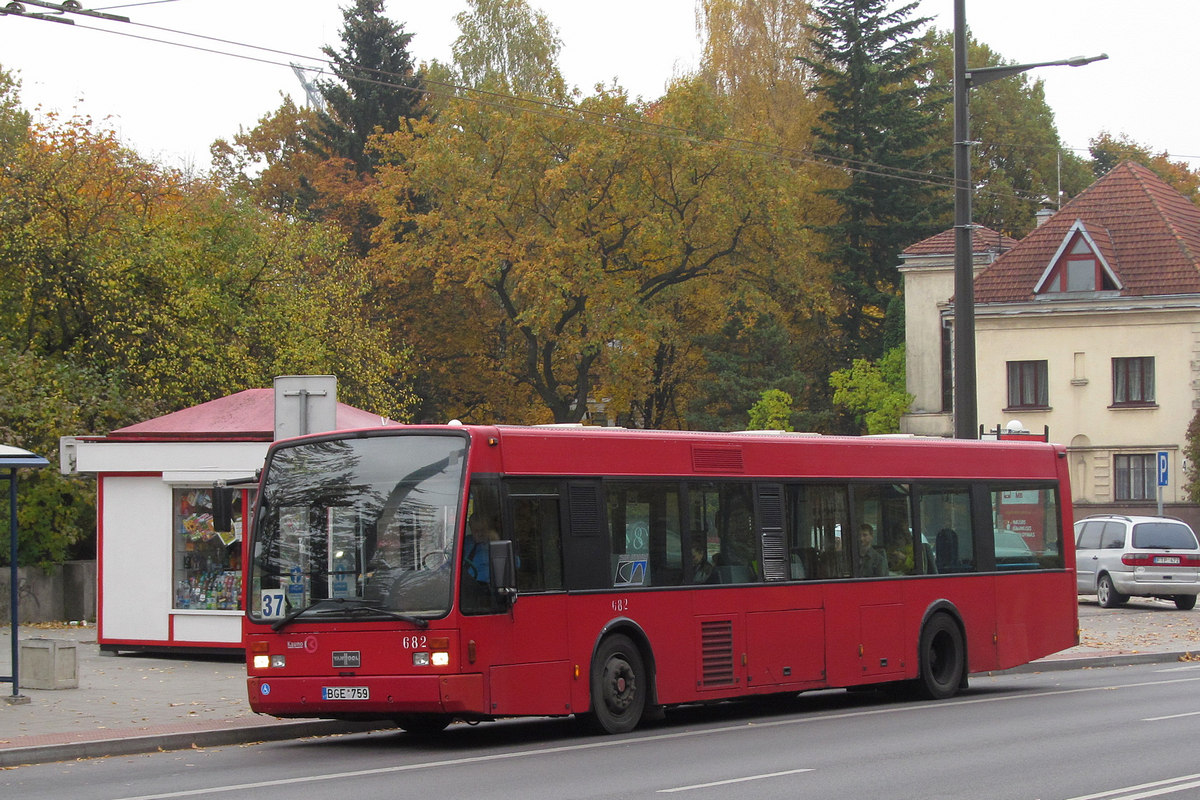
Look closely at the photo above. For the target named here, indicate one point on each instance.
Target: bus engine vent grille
(717, 459)
(716, 653)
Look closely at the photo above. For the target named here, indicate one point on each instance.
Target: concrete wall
(65, 592)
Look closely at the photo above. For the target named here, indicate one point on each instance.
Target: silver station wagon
(1118, 557)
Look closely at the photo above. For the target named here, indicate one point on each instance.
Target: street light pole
(966, 412)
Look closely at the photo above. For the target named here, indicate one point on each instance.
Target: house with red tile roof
(1090, 325)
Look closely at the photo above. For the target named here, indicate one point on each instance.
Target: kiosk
(166, 577)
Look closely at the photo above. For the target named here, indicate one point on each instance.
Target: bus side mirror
(502, 574)
(222, 509)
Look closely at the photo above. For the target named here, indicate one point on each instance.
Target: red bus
(424, 574)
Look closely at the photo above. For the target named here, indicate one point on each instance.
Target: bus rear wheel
(942, 658)
(618, 686)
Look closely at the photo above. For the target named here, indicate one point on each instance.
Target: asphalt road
(1118, 733)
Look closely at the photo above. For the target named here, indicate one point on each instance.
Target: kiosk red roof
(247, 416)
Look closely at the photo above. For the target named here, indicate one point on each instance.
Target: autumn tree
(1107, 151)
(565, 238)
(1019, 162)
(772, 412)
(874, 391)
(751, 50)
(1191, 452)
(508, 46)
(270, 163)
(875, 131)
(128, 290)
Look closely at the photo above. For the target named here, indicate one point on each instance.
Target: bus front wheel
(942, 657)
(618, 686)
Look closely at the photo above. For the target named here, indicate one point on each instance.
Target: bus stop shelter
(12, 459)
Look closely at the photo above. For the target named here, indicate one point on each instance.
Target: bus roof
(591, 451)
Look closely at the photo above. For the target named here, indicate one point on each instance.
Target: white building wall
(1079, 346)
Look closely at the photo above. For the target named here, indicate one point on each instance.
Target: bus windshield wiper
(341, 604)
(420, 622)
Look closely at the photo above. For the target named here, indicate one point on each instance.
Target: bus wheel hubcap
(621, 686)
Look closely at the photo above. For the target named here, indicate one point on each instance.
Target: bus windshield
(357, 527)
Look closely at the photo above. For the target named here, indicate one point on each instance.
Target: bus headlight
(262, 662)
(438, 658)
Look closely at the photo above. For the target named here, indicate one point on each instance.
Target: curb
(150, 743)
(1093, 662)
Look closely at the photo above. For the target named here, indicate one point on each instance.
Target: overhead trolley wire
(540, 107)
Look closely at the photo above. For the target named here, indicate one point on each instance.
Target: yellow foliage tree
(570, 246)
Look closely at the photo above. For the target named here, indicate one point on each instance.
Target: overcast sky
(171, 102)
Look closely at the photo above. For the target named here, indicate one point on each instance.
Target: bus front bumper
(367, 697)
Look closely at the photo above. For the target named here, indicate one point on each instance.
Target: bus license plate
(345, 693)
(1166, 559)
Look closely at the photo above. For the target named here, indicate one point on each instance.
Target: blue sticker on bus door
(631, 571)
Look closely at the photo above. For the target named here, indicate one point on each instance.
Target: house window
(1133, 381)
(1027, 384)
(1136, 476)
(1077, 269)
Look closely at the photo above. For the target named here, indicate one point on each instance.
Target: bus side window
(483, 526)
(722, 522)
(886, 508)
(536, 534)
(944, 514)
(1026, 527)
(646, 534)
(819, 517)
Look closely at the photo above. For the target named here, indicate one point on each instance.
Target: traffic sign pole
(1162, 477)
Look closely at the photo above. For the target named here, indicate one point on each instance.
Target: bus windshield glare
(359, 528)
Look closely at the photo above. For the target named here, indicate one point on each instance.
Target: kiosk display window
(208, 563)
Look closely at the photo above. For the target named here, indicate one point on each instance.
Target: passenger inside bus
(702, 568)
(475, 550)
(871, 561)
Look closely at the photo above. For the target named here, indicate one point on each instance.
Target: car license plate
(1166, 559)
(345, 693)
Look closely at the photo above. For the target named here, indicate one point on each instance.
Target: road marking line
(732, 780)
(622, 742)
(1171, 716)
(1168, 786)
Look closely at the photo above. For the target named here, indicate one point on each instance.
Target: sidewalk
(134, 703)
(142, 703)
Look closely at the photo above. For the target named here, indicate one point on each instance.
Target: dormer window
(1077, 267)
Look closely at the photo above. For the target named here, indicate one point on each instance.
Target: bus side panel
(665, 620)
(520, 654)
(1030, 623)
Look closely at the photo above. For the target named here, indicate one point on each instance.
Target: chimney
(1043, 215)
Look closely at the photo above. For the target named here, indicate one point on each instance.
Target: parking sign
(1162, 467)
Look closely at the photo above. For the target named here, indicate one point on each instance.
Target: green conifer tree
(377, 89)
(876, 129)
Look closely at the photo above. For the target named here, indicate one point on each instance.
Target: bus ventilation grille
(717, 459)
(716, 651)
